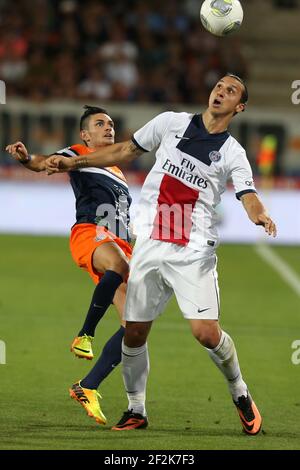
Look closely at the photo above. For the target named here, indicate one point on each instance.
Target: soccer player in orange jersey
(99, 244)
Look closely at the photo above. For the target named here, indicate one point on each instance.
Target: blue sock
(101, 300)
(109, 359)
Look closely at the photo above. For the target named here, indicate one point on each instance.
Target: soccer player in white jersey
(177, 236)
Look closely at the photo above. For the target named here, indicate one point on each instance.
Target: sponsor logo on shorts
(203, 310)
(100, 237)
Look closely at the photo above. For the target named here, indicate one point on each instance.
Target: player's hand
(267, 223)
(58, 165)
(18, 151)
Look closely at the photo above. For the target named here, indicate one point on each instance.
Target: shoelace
(244, 403)
(88, 338)
(80, 392)
(125, 417)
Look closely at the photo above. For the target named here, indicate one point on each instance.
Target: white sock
(136, 367)
(225, 357)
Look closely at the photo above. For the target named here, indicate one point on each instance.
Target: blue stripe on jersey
(198, 142)
(64, 154)
(67, 152)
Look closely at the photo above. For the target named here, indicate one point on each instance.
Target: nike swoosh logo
(181, 137)
(131, 422)
(248, 426)
(82, 350)
(98, 306)
(203, 310)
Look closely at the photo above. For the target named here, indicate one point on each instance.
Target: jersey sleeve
(241, 175)
(151, 134)
(67, 152)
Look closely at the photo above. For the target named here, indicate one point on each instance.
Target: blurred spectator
(95, 85)
(123, 70)
(117, 45)
(126, 51)
(286, 3)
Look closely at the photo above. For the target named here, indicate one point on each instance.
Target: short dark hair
(245, 94)
(90, 111)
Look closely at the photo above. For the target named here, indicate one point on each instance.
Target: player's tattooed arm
(132, 151)
(116, 154)
(20, 153)
(257, 213)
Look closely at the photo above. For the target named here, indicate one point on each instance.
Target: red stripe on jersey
(175, 205)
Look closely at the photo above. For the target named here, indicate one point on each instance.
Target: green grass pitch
(43, 300)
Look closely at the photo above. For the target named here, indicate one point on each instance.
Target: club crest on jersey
(215, 156)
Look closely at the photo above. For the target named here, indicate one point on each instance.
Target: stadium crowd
(126, 50)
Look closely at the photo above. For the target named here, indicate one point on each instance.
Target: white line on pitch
(280, 266)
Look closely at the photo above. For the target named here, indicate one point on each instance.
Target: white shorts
(157, 269)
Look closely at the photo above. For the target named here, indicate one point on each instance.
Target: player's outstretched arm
(116, 154)
(33, 162)
(257, 213)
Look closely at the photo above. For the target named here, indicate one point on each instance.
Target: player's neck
(215, 124)
(98, 146)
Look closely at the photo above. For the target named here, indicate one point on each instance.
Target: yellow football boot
(82, 347)
(89, 400)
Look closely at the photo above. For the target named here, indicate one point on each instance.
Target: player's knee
(207, 337)
(120, 266)
(135, 335)
(135, 339)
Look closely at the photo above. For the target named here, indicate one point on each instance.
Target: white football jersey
(181, 192)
